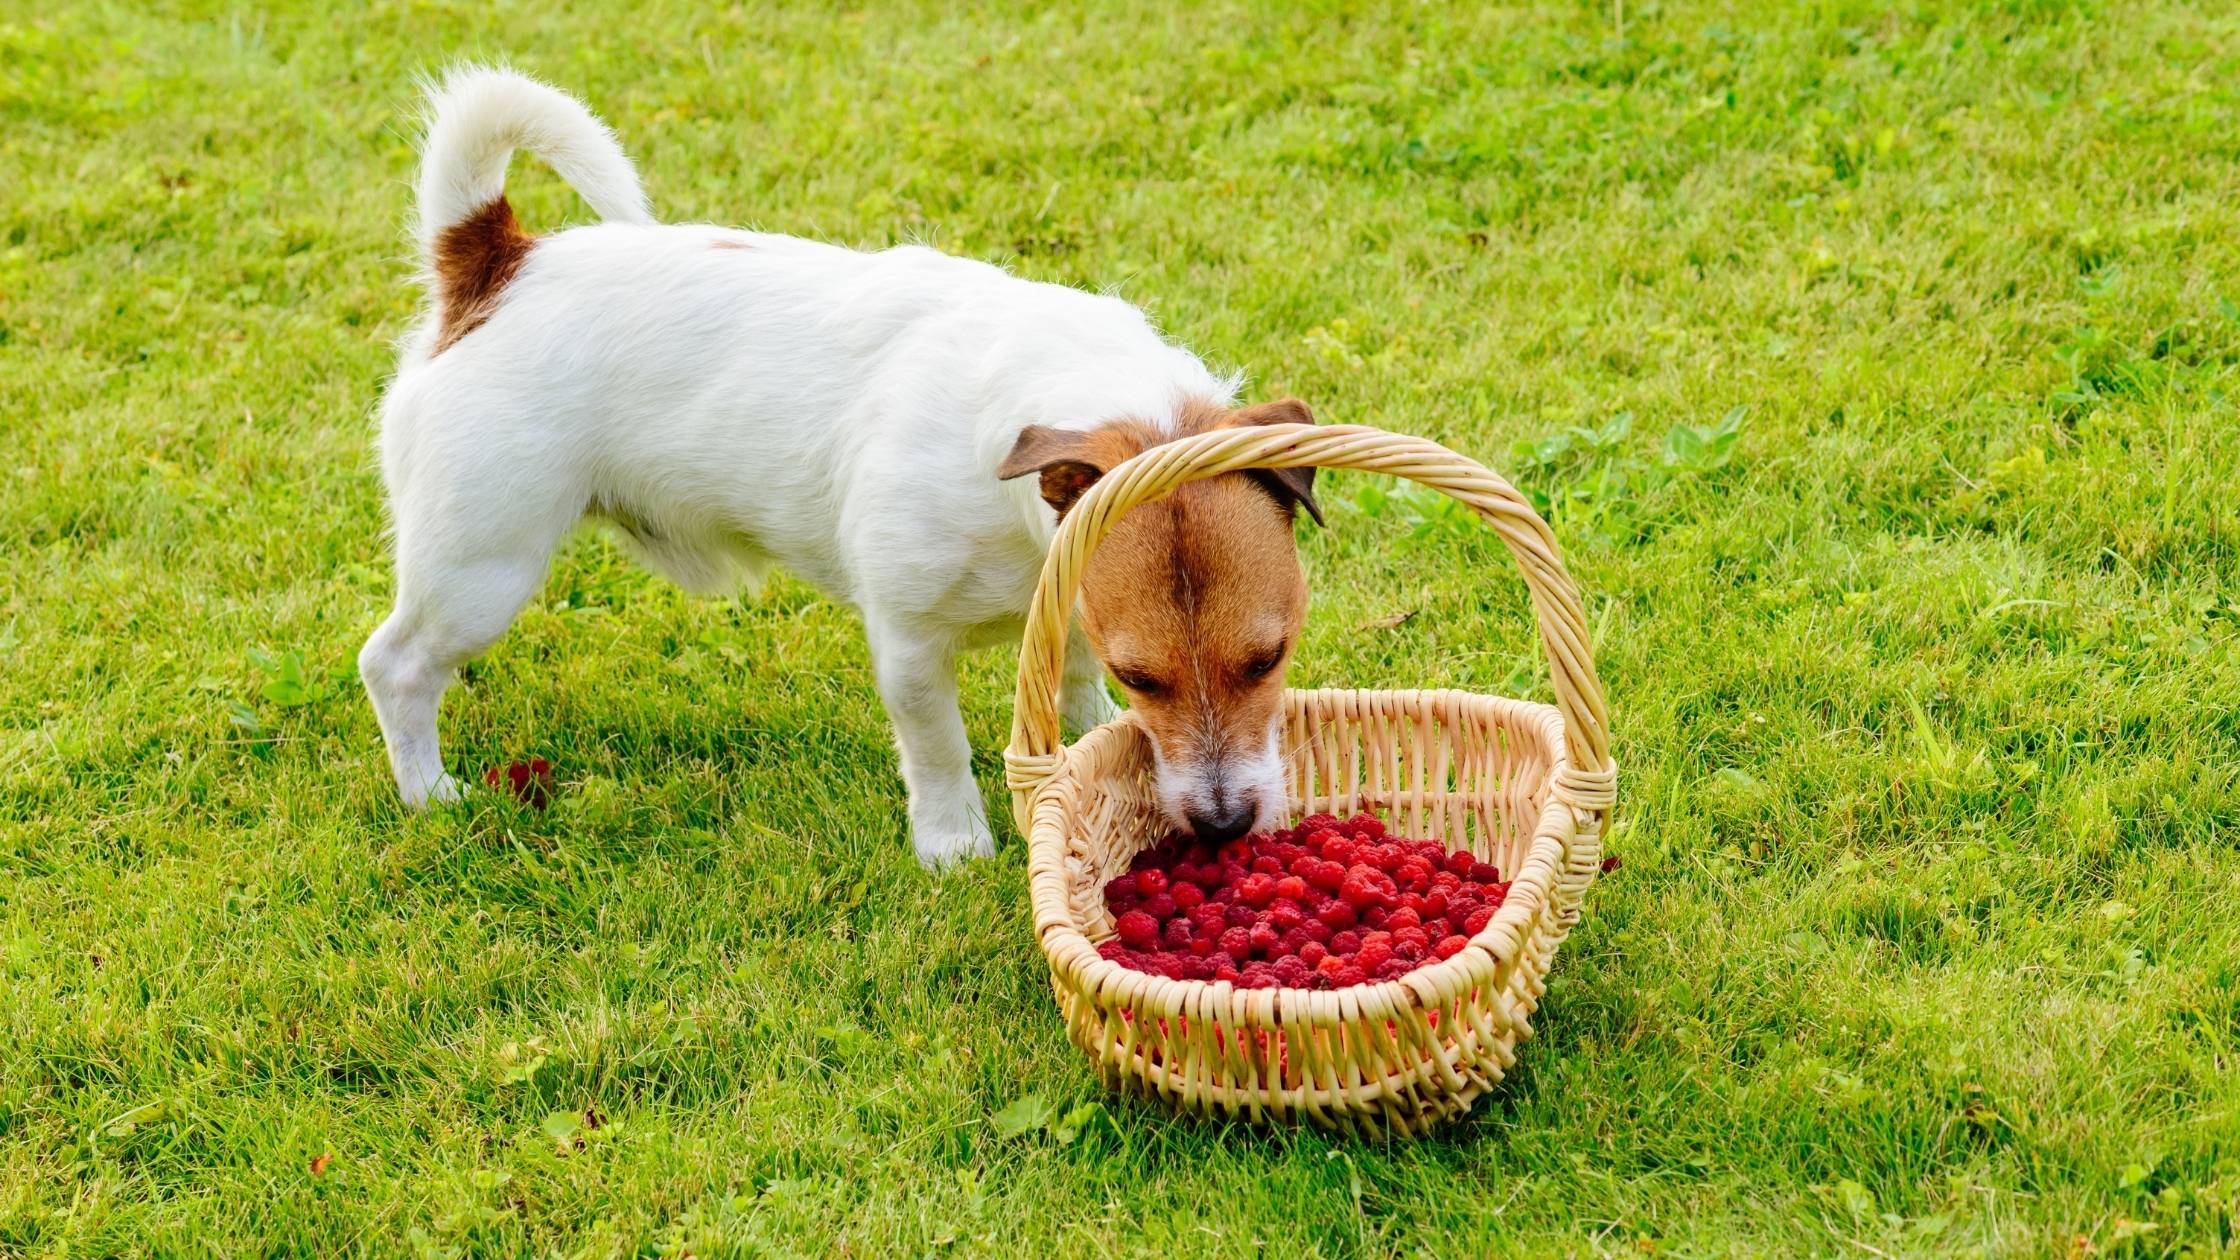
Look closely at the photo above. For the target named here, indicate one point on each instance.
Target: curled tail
(476, 118)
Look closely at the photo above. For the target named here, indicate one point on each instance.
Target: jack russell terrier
(730, 401)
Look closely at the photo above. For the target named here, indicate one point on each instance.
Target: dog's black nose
(1222, 825)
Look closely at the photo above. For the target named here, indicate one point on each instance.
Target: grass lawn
(1925, 689)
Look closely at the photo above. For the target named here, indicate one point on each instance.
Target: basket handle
(1587, 783)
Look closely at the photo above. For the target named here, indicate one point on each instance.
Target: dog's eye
(1141, 683)
(1264, 664)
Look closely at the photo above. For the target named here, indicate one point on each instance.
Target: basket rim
(1106, 982)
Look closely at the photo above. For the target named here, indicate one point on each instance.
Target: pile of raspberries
(1324, 905)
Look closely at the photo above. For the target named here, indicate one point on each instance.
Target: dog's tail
(479, 115)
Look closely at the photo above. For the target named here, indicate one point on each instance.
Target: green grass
(1927, 701)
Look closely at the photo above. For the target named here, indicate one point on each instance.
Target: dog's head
(1194, 603)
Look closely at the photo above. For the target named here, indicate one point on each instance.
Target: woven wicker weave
(1526, 786)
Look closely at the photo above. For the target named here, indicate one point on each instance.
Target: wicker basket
(1526, 786)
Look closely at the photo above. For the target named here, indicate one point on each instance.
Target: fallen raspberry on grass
(529, 781)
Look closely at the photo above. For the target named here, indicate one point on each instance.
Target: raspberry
(1485, 873)
(1240, 915)
(1346, 943)
(1290, 972)
(1257, 891)
(1373, 957)
(1294, 940)
(1329, 965)
(1415, 936)
(1206, 914)
(1403, 918)
(1150, 882)
(1228, 972)
(1349, 975)
(1286, 915)
(1460, 861)
(1199, 947)
(1434, 905)
(1266, 864)
(1337, 848)
(1451, 946)
(1187, 896)
(1412, 902)
(1161, 907)
(1264, 938)
(1317, 930)
(1312, 953)
(1237, 943)
(1236, 853)
(1374, 916)
(1183, 873)
(1337, 914)
(1257, 975)
(1327, 875)
(1319, 822)
(1358, 890)
(1111, 951)
(1138, 930)
(1177, 934)
(1366, 826)
(1394, 968)
(1445, 881)
(1413, 875)
(1291, 888)
(1478, 919)
(1196, 968)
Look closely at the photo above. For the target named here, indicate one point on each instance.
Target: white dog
(732, 400)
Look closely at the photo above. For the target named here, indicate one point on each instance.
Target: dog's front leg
(918, 682)
(1082, 699)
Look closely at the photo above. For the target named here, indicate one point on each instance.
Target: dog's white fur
(771, 401)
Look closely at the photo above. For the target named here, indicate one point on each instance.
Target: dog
(903, 429)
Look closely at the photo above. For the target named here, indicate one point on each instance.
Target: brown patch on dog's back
(474, 260)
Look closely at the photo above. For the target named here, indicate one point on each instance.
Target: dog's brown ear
(1069, 460)
(1292, 487)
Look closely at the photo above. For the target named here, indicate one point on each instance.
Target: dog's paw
(942, 847)
(445, 790)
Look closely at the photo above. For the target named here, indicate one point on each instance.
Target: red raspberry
(1402, 938)
(1257, 891)
(1374, 916)
(1312, 953)
(1497, 894)
(1183, 873)
(1161, 907)
(1358, 891)
(1337, 914)
(1414, 875)
(1460, 861)
(1227, 971)
(1445, 881)
(1366, 826)
(1403, 918)
(1294, 940)
(1339, 849)
(1286, 915)
(1197, 855)
(1241, 915)
(1236, 853)
(1196, 968)
(1290, 972)
(1328, 876)
(1317, 930)
(1200, 947)
(1348, 976)
(1394, 968)
(1187, 896)
(1209, 915)
(1177, 934)
(1346, 943)
(1485, 873)
(1330, 963)
(1237, 943)
(1319, 822)
(1478, 919)
(1257, 975)
(1150, 882)
(1451, 946)
(1112, 951)
(1434, 905)
(1266, 864)
(1264, 938)
(1138, 930)
(1412, 901)
(1291, 888)
(1373, 957)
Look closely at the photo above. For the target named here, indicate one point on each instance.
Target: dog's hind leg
(461, 577)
